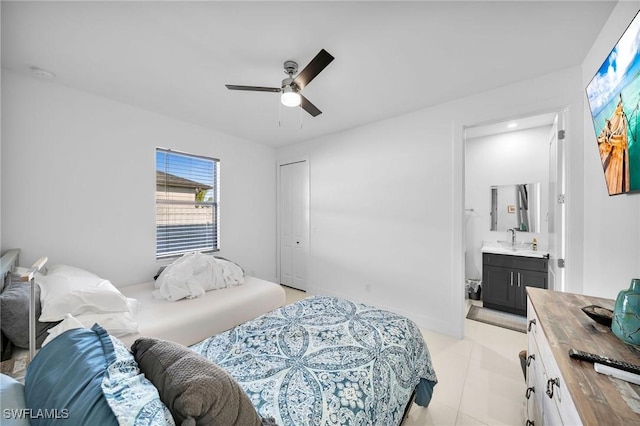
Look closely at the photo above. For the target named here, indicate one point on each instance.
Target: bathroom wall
(502, 159)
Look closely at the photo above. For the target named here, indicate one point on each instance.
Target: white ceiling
(391, 57)
(515, 124)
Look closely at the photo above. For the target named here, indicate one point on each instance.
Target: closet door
(293, 223)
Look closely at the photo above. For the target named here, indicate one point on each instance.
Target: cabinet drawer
(516, 262)
(554, 382)
(532, 322)
(533, 394)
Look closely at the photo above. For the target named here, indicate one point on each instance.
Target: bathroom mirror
(515, 206)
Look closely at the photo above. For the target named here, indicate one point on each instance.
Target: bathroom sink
(521, 248)
(519, 245)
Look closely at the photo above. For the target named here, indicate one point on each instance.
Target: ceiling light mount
(290, 67)
(39, 72)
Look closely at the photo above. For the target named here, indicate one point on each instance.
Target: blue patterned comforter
(327, 361)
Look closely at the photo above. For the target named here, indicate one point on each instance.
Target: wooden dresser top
(599, 399)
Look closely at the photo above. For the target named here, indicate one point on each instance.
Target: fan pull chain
(300, 109)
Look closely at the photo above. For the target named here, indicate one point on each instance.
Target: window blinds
(186, 203)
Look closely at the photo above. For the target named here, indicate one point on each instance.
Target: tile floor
(480, 380)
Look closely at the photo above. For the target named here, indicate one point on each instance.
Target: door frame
(459, 232)
(306, 201)
(559, 252)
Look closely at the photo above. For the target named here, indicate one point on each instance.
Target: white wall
(387, 200)
(502, 159)
(368, 204)
(78, 182)
(611, 224)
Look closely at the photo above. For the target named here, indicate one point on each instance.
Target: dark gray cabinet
(505, 278)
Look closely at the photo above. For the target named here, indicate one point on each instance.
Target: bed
(327, 361)
(185, 321)
(189, 321)
(319, 361)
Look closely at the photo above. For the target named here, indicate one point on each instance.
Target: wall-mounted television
(614, 99)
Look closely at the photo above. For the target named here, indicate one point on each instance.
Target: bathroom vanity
(507, 272)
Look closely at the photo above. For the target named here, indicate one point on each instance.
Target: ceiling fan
(291, 87)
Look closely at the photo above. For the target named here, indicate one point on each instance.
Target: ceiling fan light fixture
(291, 87)
(290, 97)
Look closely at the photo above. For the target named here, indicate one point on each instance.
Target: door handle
(518, 279)
(511, 278)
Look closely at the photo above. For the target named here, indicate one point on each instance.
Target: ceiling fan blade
(254, 88)
(313, 68)
(309, 107)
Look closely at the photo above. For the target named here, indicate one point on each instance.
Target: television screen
(614, 99)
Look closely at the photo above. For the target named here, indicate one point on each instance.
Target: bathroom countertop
(521, 249)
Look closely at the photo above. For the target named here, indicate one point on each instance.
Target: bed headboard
(8, 263)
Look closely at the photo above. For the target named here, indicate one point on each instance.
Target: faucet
(513, 237)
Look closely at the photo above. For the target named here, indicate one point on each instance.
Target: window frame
(214, 235)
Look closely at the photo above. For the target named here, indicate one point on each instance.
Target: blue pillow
(63, 382)
(14, 411)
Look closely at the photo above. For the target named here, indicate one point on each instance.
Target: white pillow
(117, 324)
(69, 323)
(69, 290)
(69, 271)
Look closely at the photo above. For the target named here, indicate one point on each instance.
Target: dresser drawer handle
(532, 322)
(530, 358)
(550, 384)
(529, 390)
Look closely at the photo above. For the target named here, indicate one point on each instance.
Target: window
(186, 203)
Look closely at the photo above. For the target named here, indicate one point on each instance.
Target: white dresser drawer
(553, 404)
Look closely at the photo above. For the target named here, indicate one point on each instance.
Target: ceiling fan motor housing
(289, 86)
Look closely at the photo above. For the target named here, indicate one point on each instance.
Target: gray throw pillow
(196, 391)
(14, 313)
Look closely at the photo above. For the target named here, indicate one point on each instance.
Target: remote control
(621, 365)
(618, 374)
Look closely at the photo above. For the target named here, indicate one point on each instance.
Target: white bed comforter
(195, 273)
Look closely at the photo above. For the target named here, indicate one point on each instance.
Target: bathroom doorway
(511, 153)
